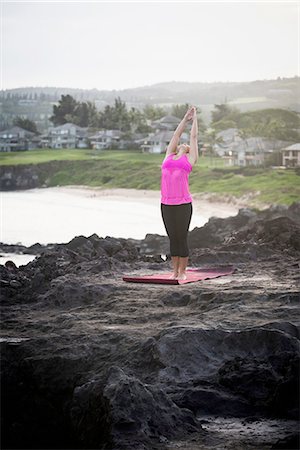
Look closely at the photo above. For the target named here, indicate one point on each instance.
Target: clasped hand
(191, 113)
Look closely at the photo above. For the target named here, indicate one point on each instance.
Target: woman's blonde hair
(175, 150)
(189, 148)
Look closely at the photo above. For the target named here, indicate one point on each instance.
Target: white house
(157, 142)
(16, 139)
(106, 139)
(166, 123)
(251, 151)
(228, 138)
(254, 150)
(68, 135)
(291, 155)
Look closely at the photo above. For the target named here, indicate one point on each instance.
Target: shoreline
(63, 212)
(207, 204)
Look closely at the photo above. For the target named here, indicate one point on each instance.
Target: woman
(176, 200)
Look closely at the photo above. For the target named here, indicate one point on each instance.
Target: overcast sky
(117, 45)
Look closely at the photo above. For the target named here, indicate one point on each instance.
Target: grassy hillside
(129, 169)
(247, 96)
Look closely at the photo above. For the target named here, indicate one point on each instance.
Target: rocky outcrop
(29, 176)
(137, 413)
(277, 225)
(109, 364)
(19, 177)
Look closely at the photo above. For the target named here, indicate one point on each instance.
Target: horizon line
(148, 85)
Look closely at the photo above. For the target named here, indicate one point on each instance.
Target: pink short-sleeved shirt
(175, 180)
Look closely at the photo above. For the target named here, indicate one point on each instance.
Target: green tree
(66, 106)
(106, 118)
(121, 115)
(116, 116)
(179, 110)
(211, 138)
(220, 112)
(81, 115)
(224, 116)
(271, 123)
(93, 115)
(224, 124)
(154, 112)
(138, 121)
(27, 124)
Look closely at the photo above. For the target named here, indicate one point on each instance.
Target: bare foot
(181, 276)
(173, 276)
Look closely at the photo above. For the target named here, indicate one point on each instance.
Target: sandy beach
(58, 214)
(201, 202)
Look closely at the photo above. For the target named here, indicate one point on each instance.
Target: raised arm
(194, 154)
(178, 132)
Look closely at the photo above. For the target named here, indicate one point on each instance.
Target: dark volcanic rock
(19, 177)
(21, 249)
(291, 442)
(277, 227)
(264, 384)
(137, 415)
(207, 400)
(216, 230)
(89, 361)
(282, 232)
(34, 395)
(176, 347)
(65, 291)
(154, 244)
(80, 255)
(93, 247)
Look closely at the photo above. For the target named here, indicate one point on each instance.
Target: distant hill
(247, 96)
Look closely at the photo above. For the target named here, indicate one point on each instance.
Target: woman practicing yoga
(176, 200)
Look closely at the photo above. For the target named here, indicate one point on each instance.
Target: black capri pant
(177, 220)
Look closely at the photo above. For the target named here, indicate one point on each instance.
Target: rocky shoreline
(89, 361)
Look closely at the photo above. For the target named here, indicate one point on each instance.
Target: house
(106, 139)
(291, 155)
(248, 152)
(166, 123)
(251, 151)
(45, 140)
(226, 139)
(254, 150)
(163, 130)
(68, 135)
(157, 142)
(134, 142)
(16, 139)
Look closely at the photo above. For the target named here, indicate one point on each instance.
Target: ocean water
(57, 215)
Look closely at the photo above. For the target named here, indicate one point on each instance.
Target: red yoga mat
(194, 274)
